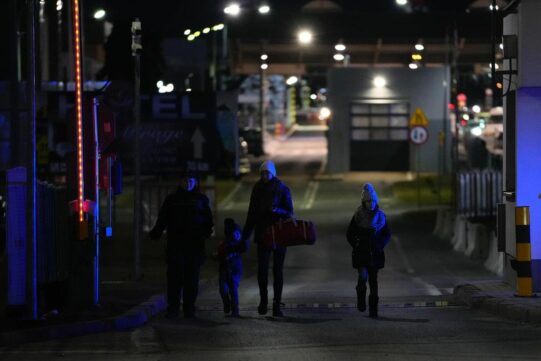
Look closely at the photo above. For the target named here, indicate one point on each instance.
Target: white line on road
(310, 195)
(227, 202)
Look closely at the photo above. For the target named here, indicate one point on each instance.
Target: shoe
(262, 308)
(276, 311)
(227, 306)
(373, 306)
(361, 298)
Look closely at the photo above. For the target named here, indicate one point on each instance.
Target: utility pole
(137, 47)
(32, 304)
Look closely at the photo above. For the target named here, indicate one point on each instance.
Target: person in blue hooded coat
(368, 234)
(270, 201)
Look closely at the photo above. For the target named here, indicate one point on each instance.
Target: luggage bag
(290, 233)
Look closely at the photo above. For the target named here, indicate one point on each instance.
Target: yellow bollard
(524, 252)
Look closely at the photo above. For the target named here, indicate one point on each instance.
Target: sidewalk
(498, 298)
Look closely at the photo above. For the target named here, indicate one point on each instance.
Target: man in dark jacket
(187, 217)
(368, 234)
(270, 201)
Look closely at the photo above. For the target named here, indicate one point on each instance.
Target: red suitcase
(289, 233)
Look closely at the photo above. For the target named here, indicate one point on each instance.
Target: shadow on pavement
(301, 320)
(399, 319)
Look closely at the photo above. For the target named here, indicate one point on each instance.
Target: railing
(479, 193)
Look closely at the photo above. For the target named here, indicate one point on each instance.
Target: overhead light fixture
(402, 2)
(419, 47)
(188, 90)
(159, 84)
(264, 57)
(292, 80)
(191, 37)
(413, 66)
(313, 96)
(218, 27)
(476, 109)
(264, 66)
(187, 32)
(379, 82)
(492, 7)
(196, 34)
(206, 30)
(324, 113)
(305, 37)
(340, 47)
(416, 57)
(264, 9)
(339, 57)
(99, 14)
(501, 46)
(232, 9)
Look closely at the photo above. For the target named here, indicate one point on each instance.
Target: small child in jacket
(229, 251)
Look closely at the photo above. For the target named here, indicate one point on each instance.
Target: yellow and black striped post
(524, 252)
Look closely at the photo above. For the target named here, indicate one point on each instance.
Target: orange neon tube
(79, 107)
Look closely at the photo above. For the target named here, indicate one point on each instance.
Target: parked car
(493, 132)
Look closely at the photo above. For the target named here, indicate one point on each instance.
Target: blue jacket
(269, 202)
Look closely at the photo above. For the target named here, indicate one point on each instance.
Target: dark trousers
(369, 274)
(263, 260)
(182, 279)
(229, 286)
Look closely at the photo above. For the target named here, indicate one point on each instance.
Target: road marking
(227, 202)
(417, 304)
(431, 289)
(310, 195)
(403, 255)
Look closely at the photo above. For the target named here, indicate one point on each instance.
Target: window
(379, 122)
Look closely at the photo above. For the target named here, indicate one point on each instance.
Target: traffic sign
(418, 135)
(418, 118)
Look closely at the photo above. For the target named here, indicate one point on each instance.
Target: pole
(32, 302)
(14, 71)
(417, 155)
(136, 52)
(262, 103)
(96, 289)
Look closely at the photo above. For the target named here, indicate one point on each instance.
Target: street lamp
(339, 57)
(264, 9)
(340, 47)
(264, 57)
(402, 2)
(379, 82)
(99, 14)
(419, 46)
(264, 66)
(232, 9)
(292, 80)
(305, 37)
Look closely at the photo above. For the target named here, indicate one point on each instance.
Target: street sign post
(418, 135)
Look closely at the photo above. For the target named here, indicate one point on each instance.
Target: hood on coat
(369, 195)
(268, 165)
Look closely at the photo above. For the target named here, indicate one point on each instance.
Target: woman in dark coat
(368, 234)
(270, 201)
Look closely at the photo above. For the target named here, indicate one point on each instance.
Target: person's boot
(227, 305)
(263, 304)
(361, 298)
(235, 310)
(373, 306)
(276, 311)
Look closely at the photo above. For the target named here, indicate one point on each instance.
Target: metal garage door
(379, 135)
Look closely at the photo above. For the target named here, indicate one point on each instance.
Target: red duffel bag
(289, 233)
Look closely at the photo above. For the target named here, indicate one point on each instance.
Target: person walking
(368, 234)
(230, 270)
(187, 218)
(270, 201)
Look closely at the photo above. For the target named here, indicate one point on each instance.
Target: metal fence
(479, 193)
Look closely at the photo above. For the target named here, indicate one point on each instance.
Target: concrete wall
(427, 88)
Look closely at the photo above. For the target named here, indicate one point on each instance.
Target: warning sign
(418, 118)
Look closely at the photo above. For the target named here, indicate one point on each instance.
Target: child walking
(229, 251)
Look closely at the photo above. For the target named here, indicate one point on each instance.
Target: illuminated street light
(402, 2)
(476, 109)
(416, 57)
(379, 82)
(191, 37)
(196, 34)
(305, 37)
(264, 66)
(188, 90)
(413, 66)
(99, 14)
(419, 47)
(159, 84)
(339, 57)
(501, 46)
(264, 57)
(206, 30)
(324, 113)
(264, 9)
(218, 27)
(232, 9)
(340, 47)
(187, 32)
(292, 80)
(313, 96)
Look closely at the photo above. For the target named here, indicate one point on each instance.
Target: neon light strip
(79, 107)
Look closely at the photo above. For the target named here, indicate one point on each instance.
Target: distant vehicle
(244, 162)
(252, 136)
(493, 132)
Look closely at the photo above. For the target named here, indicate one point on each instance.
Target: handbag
(289, 233)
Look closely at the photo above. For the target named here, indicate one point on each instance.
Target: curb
(505, 307)
(135, 317)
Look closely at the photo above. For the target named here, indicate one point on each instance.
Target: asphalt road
(418, 319)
